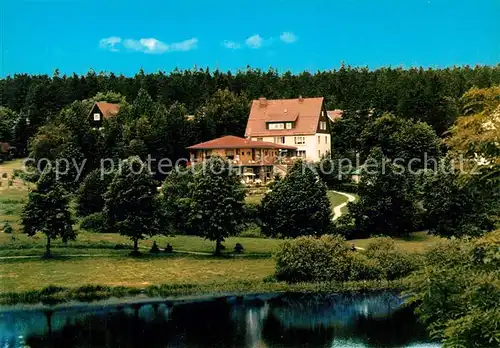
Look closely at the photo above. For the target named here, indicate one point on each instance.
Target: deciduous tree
(217, 202)
(47, 211)
(297, 205)
(130, 202)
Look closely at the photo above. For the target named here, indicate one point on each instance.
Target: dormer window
(274, 126)
(97, 116)
(288, 125)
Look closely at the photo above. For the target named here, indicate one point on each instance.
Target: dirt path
(337, 210)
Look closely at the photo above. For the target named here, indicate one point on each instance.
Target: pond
(291, 320)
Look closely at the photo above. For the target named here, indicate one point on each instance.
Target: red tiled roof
(335, 115)
(108, 109)
(304, 111)
(230, 141)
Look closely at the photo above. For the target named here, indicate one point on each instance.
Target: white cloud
(288, 37)
(254, 41)
(147, 45)
(185, 45)
(109, 43)
(231, 44)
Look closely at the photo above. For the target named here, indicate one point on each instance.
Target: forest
(419, 94)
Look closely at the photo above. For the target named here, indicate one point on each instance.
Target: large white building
(302, 123)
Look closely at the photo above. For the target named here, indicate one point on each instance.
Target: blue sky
(38, 36)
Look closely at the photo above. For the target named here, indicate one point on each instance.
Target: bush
(313, 259)
(393, 263)
(4, 175)
(329, 258)
(94, 222)
(7, 228)
(364, 268)
(252, 231)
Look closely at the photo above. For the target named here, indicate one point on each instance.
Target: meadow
(101, 259)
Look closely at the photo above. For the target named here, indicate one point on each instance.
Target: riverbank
(53, 295)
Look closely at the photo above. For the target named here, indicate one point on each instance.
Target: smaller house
(255, 160)
(335, 115)
(102, 111)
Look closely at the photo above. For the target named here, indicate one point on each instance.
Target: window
(319, 153)
(322, 125)
(326, 139)
(299, 140)
(97, 116)
(259, 139)
(237, 151)
(289, 125)
(276, 126)
(319, 139)
(301, 153)
(279, 140)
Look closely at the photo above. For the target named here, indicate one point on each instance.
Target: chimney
(301, 99)
(262, 101)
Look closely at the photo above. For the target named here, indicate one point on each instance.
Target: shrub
(94, 222)
(381, 243)
(7, 228)
(252, 231)
(312, 259)
(364, 268)
(392, 262)
(4, 175)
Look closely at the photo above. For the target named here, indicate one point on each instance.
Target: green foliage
(452, 209)
(457, 292)
(309, 259)
(90, 195)
(387, 199)
(7, 228)
(95, 222)
(130, 202)
(402, 139)
(392, 263)
(49, 142)
(297, 205)
(176, 199)
(143, 104)
(426, 95)
(109, 97)
(47, 211)
(225, 113)
(329, 258)
(8, 119)
(217, 201)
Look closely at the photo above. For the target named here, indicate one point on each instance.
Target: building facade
(302, 123)
(254, 160)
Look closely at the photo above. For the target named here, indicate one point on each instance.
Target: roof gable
(108, 109)
(305, 112)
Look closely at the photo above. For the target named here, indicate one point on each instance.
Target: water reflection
(374, 320)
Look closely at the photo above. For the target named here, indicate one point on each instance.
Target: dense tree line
(427, 95)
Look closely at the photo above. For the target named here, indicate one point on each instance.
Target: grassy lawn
(416, 242)
(130, 272)
(20, 244)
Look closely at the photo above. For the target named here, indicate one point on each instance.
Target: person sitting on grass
(154, 248)
(238, 248)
